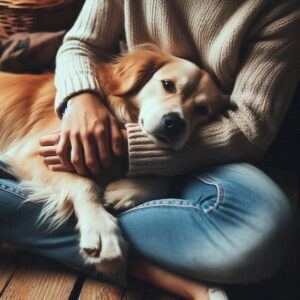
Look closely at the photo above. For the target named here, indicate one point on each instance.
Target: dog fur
(129, 82)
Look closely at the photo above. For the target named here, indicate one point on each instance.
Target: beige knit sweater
(250, 47)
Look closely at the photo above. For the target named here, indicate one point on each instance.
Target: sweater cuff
(217, 142)
(144, 155)
(66, 88)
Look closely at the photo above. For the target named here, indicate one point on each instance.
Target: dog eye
(201, 110)
(169, 86)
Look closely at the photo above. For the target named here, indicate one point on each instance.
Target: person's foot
(216, 293)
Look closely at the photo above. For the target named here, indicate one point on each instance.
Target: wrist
(84, 97)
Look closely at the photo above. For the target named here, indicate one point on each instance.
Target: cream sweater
(250, 47)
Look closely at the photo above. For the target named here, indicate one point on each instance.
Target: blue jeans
(229, 224)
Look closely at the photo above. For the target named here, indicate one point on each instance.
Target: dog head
(172, 95)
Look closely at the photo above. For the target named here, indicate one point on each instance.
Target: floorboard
(39, 279)
(8, 266)
(95, 290)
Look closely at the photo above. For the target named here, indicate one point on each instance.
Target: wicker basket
(37, 15)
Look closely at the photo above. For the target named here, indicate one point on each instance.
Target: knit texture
(251, 48)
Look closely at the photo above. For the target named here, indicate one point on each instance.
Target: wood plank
(8, 265)
(40, 279)
(94, 289)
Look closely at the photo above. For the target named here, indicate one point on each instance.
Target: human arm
(88, 128)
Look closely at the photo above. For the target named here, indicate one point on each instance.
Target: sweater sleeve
(264, 86)
(96, 31)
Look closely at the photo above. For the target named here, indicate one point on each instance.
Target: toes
(114, 248)
(92, 252)
(111, 197)
(113, 254)
(104, 245)
(124, 204)
(90, 244)
(121, 199)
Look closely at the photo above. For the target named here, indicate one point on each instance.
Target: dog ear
(131, 71)
(211, 101)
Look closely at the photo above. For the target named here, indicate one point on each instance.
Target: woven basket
(37, 15)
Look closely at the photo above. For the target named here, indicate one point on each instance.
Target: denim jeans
(228, 224)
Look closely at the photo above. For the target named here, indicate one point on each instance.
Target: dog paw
(120, 200)
(90, 245)
(113, 255)
(128, 193)
(104, 246)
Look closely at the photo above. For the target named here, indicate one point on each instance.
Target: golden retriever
(166, 95)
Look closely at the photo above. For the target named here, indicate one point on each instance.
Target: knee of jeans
(247, 188)
(263, 233)
(269, 244)
(274, 233)
(260, 259)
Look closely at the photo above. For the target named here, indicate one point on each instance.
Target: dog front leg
(101, 240)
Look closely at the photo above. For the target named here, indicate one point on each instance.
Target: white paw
(90, 244)
(102, 244)
(127, 193)
(120, 199)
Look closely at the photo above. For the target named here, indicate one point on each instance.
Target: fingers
(90, 149)
(48, 151)
(63, 150)
(50, 139)
(77, 156)
(90, 153)
(52, 160)
(102, 139)
(92, 146)
(60, 168)
(116, 137)
(54, 164)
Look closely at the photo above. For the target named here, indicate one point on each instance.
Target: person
(226, 221)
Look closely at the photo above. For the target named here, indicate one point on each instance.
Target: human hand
(89, 135)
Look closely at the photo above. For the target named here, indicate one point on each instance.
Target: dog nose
(173, 124)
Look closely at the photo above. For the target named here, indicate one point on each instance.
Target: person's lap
(228, 223)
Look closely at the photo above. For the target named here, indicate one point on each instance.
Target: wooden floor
(24, 276)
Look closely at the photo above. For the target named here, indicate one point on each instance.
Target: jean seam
(210, 181)
(159, 205)
(6, 188)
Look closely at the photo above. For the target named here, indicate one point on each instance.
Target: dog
(168, 96)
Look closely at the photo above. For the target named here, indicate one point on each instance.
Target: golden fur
(26, 113)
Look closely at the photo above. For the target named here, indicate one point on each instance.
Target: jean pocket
(211, 193)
